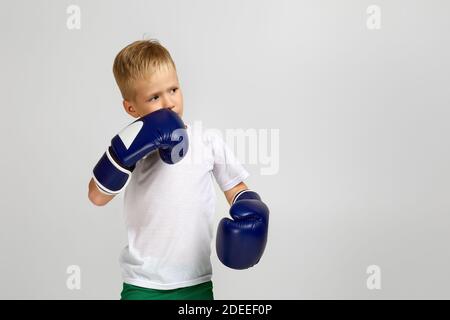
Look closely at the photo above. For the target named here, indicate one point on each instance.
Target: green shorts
(202, 291)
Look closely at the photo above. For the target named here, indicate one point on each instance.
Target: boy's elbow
(96, 200)
(95, 196)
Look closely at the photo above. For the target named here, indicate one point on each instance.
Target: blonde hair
(139, 60)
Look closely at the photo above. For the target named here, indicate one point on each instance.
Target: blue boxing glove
(240, 243)
(162, 129)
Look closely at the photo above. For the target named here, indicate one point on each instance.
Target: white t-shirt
(169, 213)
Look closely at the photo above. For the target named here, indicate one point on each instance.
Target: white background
(363, 118)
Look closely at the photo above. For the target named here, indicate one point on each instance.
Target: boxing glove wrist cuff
(100, 187)
(109, 175)
(246, 194)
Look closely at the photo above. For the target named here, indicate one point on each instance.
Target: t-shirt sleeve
(227, 169)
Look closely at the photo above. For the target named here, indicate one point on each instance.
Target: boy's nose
(168, 103)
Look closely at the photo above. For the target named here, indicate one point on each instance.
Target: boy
(169, 198)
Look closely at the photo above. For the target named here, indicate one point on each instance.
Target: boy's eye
(156, 97)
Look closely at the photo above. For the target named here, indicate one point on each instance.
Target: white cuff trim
(240, 193)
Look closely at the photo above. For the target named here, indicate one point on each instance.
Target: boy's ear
(130, 109)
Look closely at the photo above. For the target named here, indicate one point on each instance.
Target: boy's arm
(96, 196)
(229, 194)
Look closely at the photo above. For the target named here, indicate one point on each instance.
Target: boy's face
(161, 90)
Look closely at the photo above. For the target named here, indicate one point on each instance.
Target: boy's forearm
(229, 195)
(96, 196)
